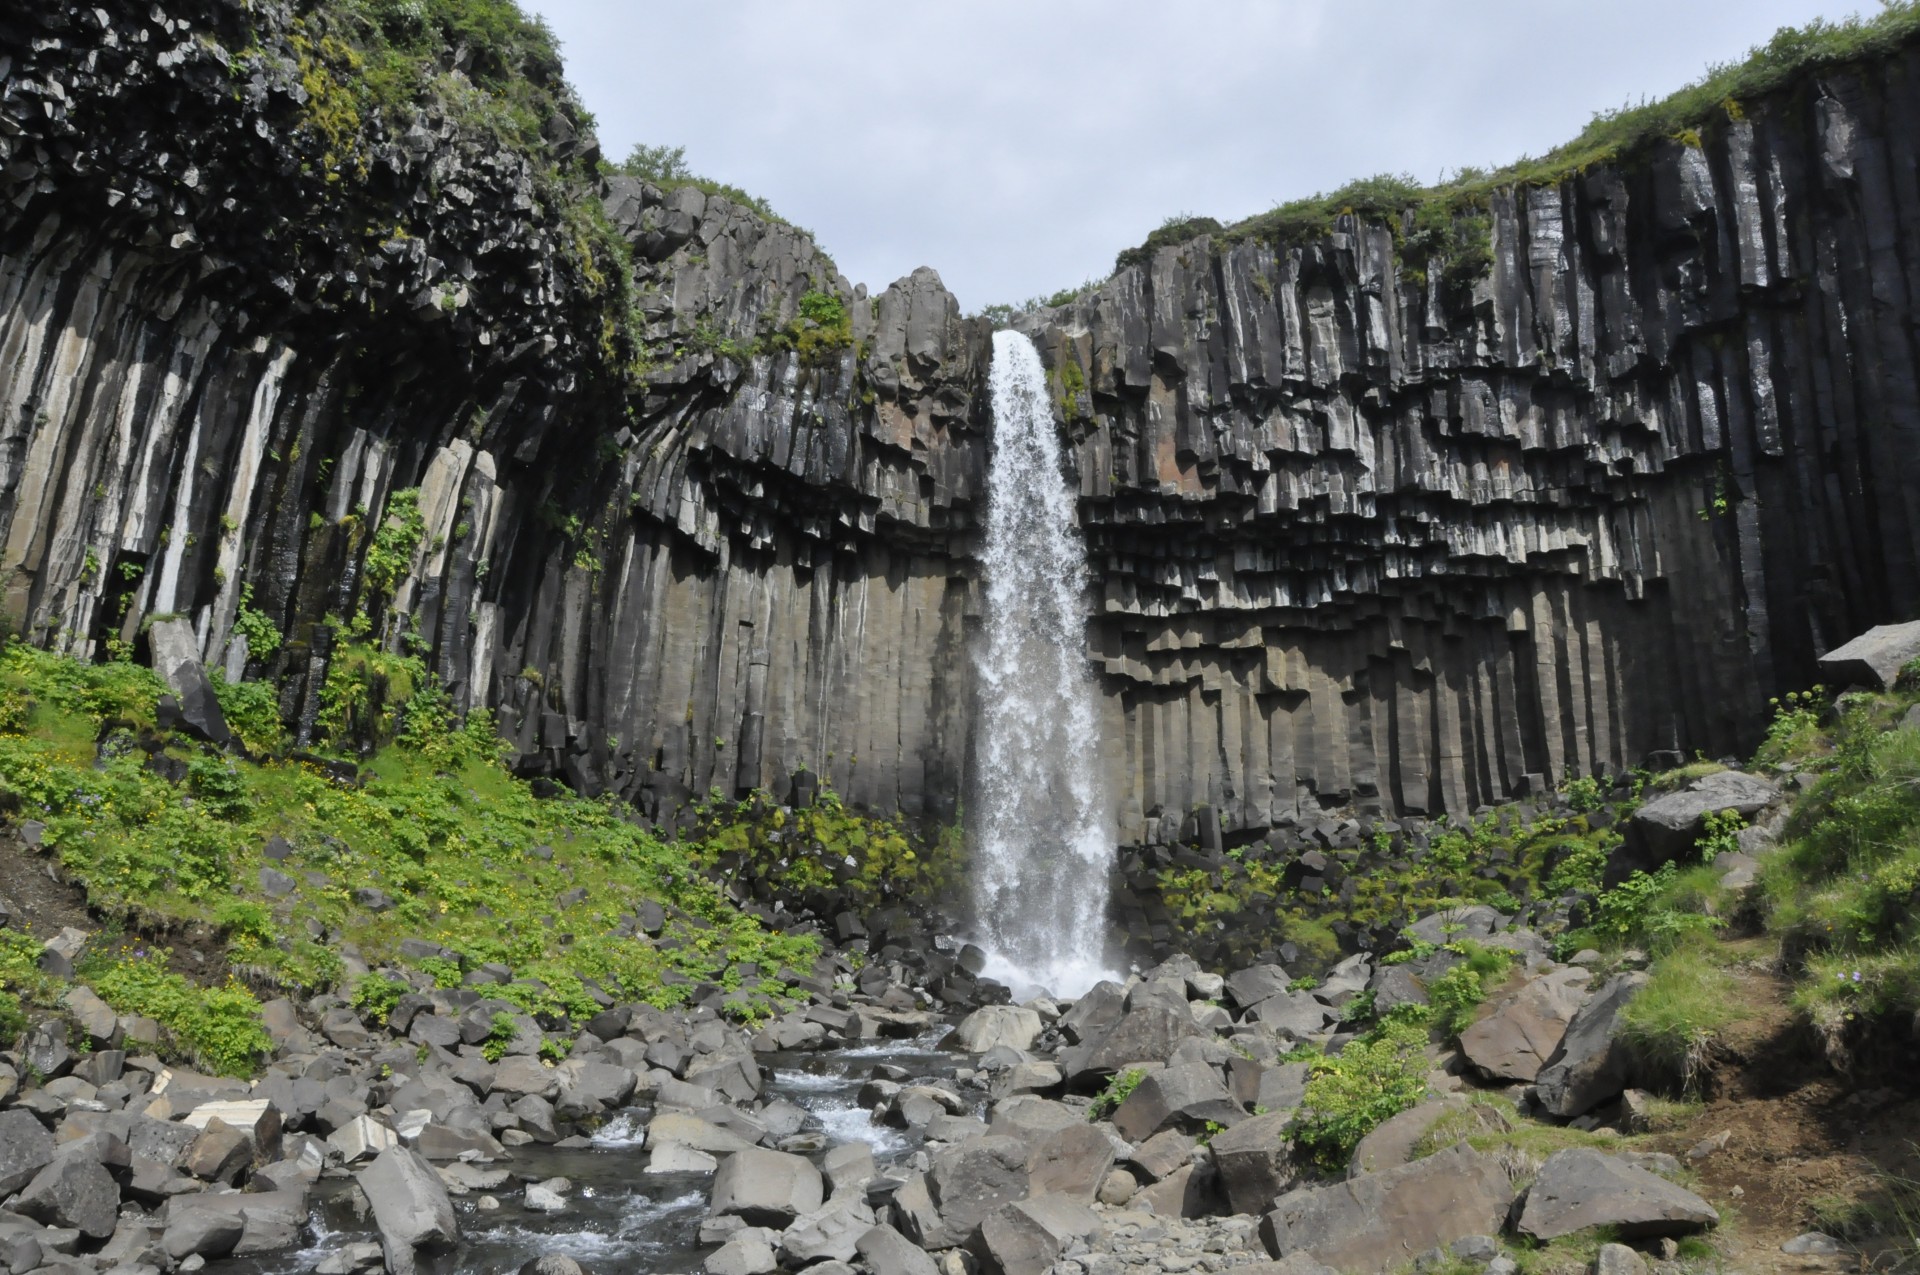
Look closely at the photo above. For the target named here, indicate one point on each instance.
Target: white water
(1041, 841)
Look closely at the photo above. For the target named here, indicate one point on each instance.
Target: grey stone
(745, 1254)
(1813, 1244)
(207, 1232)
(995, 1025)
(1187, 1096)
(1248, 987)
(887, 1252)
(970, 1180)
(1514, 1040)
(826, 1234)
(1580, 1188)
(176, 658)
(25, 1148)
(1874, 658)
(767, 1188)
(410, 1207)
(1380, 1221)
(1666, 827)
(1254, 1161)
(1070, 1162)
(1026, 1237)
(1592, 1064)
(72, 1191)
(1618, 1259)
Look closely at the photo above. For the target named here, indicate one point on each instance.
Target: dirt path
(1797, 1136)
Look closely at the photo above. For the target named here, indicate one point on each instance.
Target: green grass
(217, 1028)
(1673, 1021)
(1118, 1090)
(438, 824)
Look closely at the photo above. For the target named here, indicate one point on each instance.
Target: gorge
(1361, 532)
(539, 723)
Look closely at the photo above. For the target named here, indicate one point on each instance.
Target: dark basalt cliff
(1358, 536)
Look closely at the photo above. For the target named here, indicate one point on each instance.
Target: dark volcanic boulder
(1580, 1188)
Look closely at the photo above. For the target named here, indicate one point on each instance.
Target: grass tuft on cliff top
(1613, 136)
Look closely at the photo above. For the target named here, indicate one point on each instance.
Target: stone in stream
(271, 1219)
(202, 1232)
(219, 1153)
(747, 1253)
(1381, 1221)
(849, 1168)
(767, 1188)
(826, 1234)
(985, 1028)
(410, 1206)
(1579, 1188)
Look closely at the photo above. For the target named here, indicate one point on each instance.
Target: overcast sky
(1017, 145)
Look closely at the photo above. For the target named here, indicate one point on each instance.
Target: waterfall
(1041, 836)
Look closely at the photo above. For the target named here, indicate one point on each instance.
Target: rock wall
(1358, 537)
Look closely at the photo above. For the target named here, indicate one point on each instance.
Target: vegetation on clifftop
(1421, 217)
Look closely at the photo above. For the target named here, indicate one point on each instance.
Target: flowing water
(1041, 841)
(619, 1219)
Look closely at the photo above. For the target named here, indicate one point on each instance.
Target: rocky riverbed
(1150, 1124)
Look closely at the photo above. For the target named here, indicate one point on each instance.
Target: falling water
(1041, 839)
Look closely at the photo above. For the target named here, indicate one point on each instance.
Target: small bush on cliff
(666, 167)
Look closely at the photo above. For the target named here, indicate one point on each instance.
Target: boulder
(1254, 1162)
(848, 1168)
(410, 1206)
(887, 1252)
(1163, 1154)
(1013, 1026)
(1381, 1221)
(1874, 659)
(1028, 1236)
(677, 1128)
(1186, 1192)
(1032, 1118)
(205, 1232)
(73, 1190)
(270, 1219)
(1474, 921)
(176, 659)
(747, 1253)
(1515, 1039)
(767, 1188)
(1095, 1013)
(1149, 1033)
(826, 1234)
(219, 1153)
(1592, 1064)
(969, 1181)
(1666, 828)
(93, 1016)
(520, 1075)
(1390, 1143)
(1292, 1014)
(1580, 1188)
(1248, 987)
(25, 1148)
(1071, 1162)
(1186, 1096)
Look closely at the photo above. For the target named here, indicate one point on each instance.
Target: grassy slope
(435, 822)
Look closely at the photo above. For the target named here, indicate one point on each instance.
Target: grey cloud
(1016, 147)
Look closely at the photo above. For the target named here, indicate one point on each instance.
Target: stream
(621, 1220)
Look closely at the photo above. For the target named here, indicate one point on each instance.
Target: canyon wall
(1359, 535)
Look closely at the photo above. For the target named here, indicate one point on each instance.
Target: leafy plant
(501, 1033)
(215, 1027)
(1118, 1090)
(1353, 1092)
(1455, 995)
(255, 627)
(375, 995)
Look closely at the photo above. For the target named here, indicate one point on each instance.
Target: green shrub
(1721, 834)
(214, 1027)
(375, 995)
(501, 1033)
(1352, 1093)
(217, 786)
(13, 1019)
(390, 557)
(1455, 995)
(1118, 1090)
(1794, 733)
(252, 710)
(255, 627)
(666, 167)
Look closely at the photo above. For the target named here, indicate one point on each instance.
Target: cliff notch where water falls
(689, 511)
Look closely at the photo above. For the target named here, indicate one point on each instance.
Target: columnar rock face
(1356, 535)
